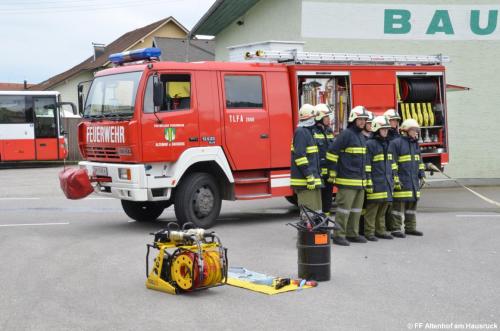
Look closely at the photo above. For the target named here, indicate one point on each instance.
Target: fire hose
(482, 197)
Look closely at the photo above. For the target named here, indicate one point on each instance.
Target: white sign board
(399, 21)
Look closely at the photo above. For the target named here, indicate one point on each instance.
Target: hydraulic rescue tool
(188, 260)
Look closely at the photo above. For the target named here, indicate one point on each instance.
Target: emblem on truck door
(170, 134)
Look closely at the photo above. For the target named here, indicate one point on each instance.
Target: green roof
(220, 15)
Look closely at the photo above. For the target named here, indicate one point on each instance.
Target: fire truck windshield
(112, 96)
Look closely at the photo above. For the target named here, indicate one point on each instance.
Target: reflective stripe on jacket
(410, 168)
(304, 159)
(347, 159)
(324, 140)
(381, 168)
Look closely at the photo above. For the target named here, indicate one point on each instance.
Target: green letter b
(397, 21)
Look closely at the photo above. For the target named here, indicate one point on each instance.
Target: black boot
(341, 241)
(371, 238)
(384, 236)
(414, 233)
(398, 234)
(358, 239)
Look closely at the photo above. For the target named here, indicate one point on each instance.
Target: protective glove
(311, 185)
(369, 187)
(331, 177)
(397, 184)
(422, 182)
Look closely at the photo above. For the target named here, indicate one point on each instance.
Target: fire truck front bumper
(126, 181)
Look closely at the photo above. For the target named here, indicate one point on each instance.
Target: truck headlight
(124, 173)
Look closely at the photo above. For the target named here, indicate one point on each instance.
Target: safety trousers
(349, 206)
(375, 218)
(309, 198)
(403, 212)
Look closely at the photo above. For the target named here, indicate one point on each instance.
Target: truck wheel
(142, 211)
(197, 200)
(292, 199)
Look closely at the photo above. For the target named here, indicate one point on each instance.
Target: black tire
(143, 211)
(197, 200)
(292, 199)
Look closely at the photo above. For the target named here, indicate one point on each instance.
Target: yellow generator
(188, 260)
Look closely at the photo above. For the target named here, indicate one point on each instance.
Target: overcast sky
(42, 38)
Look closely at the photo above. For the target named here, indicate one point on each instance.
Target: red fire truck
(194, 134)
(30, 126)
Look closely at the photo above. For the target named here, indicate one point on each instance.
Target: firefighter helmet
(322, 110)
(409, 124)
(380, 122)
(358, 112)
(306, 112)
(370, 117)
(392, 114)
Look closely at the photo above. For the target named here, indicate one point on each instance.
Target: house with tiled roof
(167, 31)
(15, 86)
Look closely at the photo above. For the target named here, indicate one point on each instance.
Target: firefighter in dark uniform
(347, 160)
(411, 174)
(305, 163)
(323, 135)
(381, 166)
(394, 118)
(367, 133)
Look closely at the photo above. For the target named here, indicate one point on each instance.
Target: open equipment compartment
(331, 88)
(421, 96)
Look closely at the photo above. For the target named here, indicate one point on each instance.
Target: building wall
(169, 30)
(472, 121)
(68, 88)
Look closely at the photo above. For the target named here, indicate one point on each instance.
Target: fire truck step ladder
(295, 56)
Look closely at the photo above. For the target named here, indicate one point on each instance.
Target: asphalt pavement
(80, 265)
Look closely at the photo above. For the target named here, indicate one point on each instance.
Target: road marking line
(19, 198)
(477, 215)
(34, 224)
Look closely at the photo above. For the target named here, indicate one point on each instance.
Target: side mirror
(158, 92)
(71, 104)
(80, 98)
(82, 89)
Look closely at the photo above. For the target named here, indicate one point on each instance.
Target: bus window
(46, 120)
(13, 110)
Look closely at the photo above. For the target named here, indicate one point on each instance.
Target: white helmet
(380, 122)
(370, 117)
(322, 110)
(358, 112)
(409, 123)
(392, 114)
(306, 112)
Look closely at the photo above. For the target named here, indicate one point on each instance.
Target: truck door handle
(193, 139)
(264, 136)
(43, 145)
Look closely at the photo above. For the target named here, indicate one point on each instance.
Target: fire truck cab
(193, 134)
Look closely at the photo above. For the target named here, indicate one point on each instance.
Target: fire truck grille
(102, 152)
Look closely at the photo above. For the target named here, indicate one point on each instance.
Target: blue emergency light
(136, 55)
